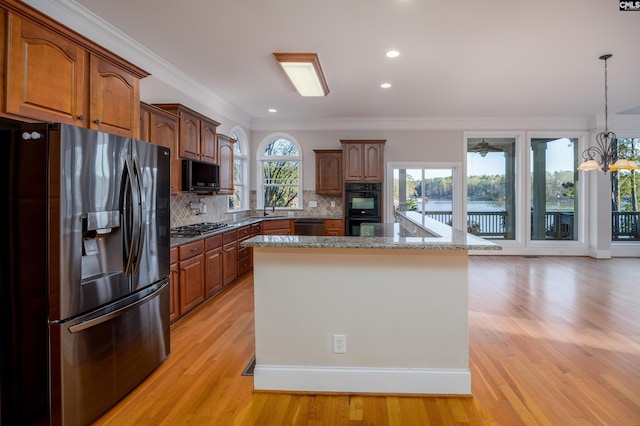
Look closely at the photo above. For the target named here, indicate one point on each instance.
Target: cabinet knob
(33, 135)
(96, 121)
(81, 117)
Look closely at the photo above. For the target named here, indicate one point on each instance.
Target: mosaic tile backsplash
(186, 209)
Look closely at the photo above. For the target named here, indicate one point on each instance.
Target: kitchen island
(382, 313)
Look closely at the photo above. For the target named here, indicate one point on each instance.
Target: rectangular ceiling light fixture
(305, 72)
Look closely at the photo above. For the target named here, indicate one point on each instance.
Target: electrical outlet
(339, 344)
(333, 204)
(313, 204)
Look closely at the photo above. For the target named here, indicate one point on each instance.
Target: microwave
(198, 176)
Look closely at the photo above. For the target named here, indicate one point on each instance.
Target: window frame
(240, 154)
(261, 158)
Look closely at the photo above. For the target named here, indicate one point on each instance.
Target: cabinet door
(163, 131)
(373, 163)
(362, 160)
(174, 295)
(329, 172)
(213, 272)
(208, 151)
(115, 99)
(46, 74)
(230, 263)
(225, 159)
(191, 283)
(352, 162)
(189, 135)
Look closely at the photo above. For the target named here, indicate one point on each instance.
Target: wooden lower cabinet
(229, 257)
(174, 286)
(244, 253)
(277, 227)
(333, 228)
(191, 275)
(213, 266)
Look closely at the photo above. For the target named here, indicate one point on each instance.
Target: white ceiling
(492, 58)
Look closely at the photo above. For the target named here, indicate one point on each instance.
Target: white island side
(399, 301)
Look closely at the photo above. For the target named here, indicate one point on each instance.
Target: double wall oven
(362, 204)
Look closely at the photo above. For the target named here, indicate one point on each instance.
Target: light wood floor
(553, 341)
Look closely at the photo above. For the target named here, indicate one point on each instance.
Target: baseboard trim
(363, 380)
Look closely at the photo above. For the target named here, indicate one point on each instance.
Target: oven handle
(117, 313)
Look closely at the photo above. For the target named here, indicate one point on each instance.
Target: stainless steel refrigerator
(85, 295)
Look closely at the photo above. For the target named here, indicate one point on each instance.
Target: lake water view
(483, 206)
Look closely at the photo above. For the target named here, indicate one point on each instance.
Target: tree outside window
(625, 216)
(281, 174)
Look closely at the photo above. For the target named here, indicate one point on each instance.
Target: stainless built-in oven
(362, 203)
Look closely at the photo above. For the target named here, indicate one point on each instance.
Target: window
(554, 175)
(491, 190)
(625, 217)
(239, 200)
(426, 191)
(280, 171)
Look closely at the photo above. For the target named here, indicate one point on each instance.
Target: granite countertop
(409, 233)
(239, 223)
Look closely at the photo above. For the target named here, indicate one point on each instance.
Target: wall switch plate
(313, 204)
(339, 344)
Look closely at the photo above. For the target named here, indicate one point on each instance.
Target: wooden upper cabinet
(208, 149)
(46, 74)
(115, 99)
(56, 75)
(162, 128)
(329, 171)
(363, 160)
(197, 133)
(225, 158)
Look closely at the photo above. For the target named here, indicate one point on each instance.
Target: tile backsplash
(216, 208)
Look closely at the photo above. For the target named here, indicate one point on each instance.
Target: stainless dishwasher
(308, 226)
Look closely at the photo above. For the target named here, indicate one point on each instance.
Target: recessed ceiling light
(272, 110)
(392, 54)
(385, 85)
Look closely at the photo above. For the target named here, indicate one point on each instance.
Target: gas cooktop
(197, 229)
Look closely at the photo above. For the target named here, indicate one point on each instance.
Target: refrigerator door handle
(129, 219)
(117, 313)
(140, 209)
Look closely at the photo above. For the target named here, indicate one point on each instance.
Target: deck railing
(559, 225)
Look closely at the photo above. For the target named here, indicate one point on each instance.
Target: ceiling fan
(483, 148)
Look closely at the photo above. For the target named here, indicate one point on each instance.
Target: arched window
(239, 200)
(280, 182)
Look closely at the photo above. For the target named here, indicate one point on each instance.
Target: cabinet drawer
(256, 229)
(229, 237)
(333, 223)
(244, 252)
(213, 242)
(244, 265)
(189, 250)
(173, 255)
(244, 232)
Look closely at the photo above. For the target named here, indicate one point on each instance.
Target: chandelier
(600, 157)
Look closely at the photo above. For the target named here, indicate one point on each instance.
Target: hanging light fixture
(483, 148)
(600, 157)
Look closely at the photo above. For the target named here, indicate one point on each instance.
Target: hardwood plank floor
(553, 341)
